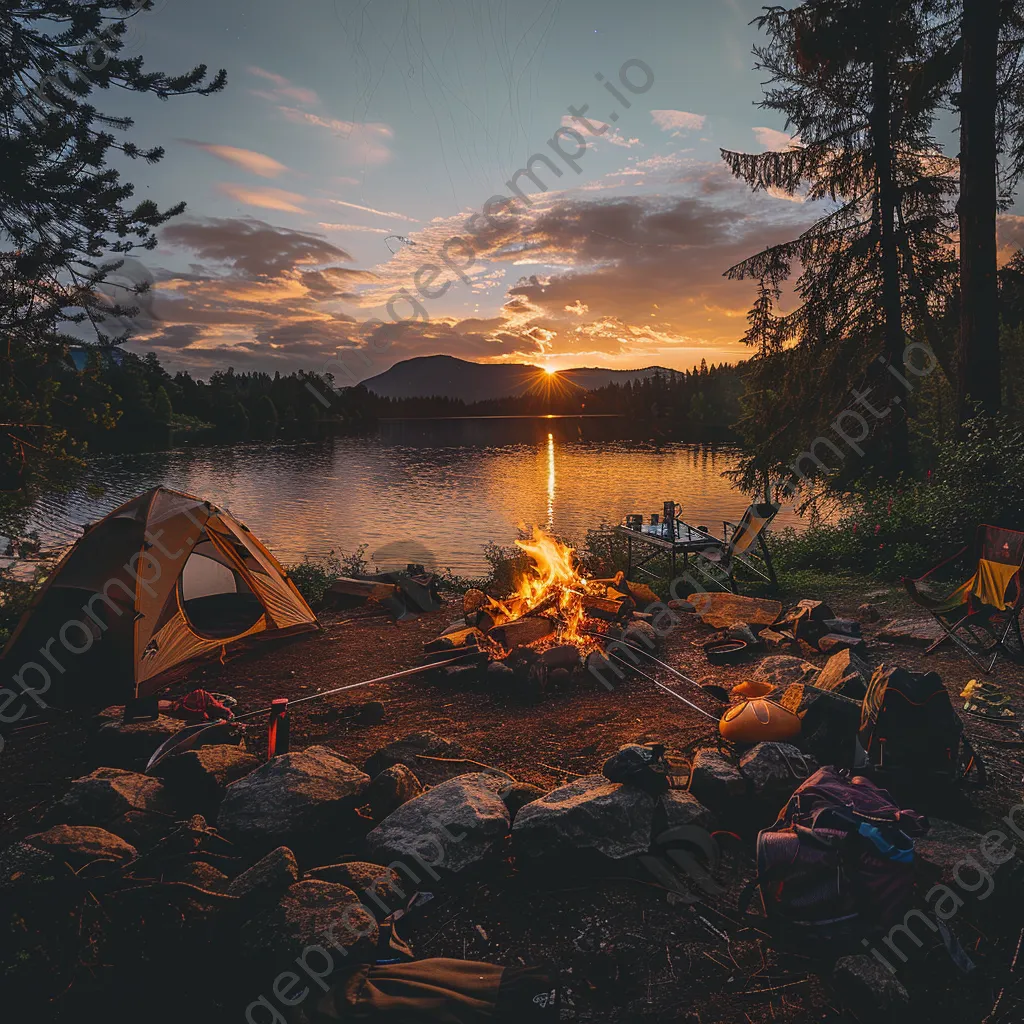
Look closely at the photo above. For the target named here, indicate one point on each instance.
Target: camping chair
(737, 549)
(985, 607)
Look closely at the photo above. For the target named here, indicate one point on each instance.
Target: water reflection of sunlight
(551, 482)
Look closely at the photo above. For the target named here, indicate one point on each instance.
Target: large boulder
(318, 919)
(784, 669)
(309, 792)
(199, 873)
(106, 794)
(681, 808)
(84, 846)
(715, 781)
(380, 888)
(589, 813)
(450, 827)
(393, 787)
(404, 751)
(197, 778)
(845, 673)
(273, 873)
(130, 745)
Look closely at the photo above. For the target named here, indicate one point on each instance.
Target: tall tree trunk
(888, 201)
(978, 365)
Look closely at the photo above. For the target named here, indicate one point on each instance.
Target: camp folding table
(985, 608)
(673, 538)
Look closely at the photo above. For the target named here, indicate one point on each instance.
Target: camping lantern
(277, 728)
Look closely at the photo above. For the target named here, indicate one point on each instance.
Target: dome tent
(160, 582)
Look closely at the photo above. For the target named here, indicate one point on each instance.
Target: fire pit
(542, 634)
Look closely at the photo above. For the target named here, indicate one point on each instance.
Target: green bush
(905, 528)
(314, 575)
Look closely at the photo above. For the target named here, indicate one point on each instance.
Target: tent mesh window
(214, 598)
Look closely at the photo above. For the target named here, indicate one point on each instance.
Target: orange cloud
(283, 89)
(254, 163)
(265, 198)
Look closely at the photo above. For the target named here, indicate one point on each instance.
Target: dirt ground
(626, 951)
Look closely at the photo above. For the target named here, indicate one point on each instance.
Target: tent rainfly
(160, 582)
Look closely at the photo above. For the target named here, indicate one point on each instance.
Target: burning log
(519, 632)
(607, 608)
(459, 640)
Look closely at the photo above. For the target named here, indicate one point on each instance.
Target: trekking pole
(667, 689)
(640, 650)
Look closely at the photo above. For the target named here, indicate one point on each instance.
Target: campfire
(547, 623)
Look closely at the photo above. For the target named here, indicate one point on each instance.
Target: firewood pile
(542, 644)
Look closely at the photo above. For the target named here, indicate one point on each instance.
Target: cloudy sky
(329, 185)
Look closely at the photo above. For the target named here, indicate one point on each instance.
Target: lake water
(429, 491)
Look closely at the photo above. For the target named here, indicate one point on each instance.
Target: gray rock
(106, 794)
(404, 751)
(308, 792)
(456, 627)
(516, 795)
(382, 889)
(832, 642)
(589, 813)
(945, 846)
(741, 631)
(783, 669)
(84, 845)
(197, 778)
(638, 765)
(141, 829)
(313, 914)
(843, 627)
(642, 635)
(845, 673)
(23, 866)
(873, 992)
(273, 873)
(600, 670)
(868, 613)
(683, 808)
(198, 873)
(453, 825)
(774, 770)
(130, 746)
(500, 673)
(394, 786)
(563, 656)
(714, 781)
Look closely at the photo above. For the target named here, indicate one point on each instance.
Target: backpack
(838, 864)
(911, 732)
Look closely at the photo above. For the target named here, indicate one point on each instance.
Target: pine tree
(67, 217)
(847, 78)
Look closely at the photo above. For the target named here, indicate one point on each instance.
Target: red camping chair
(980, 613)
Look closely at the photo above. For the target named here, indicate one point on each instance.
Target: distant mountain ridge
(450, 377)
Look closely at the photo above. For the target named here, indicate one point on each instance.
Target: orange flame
(553, 577)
